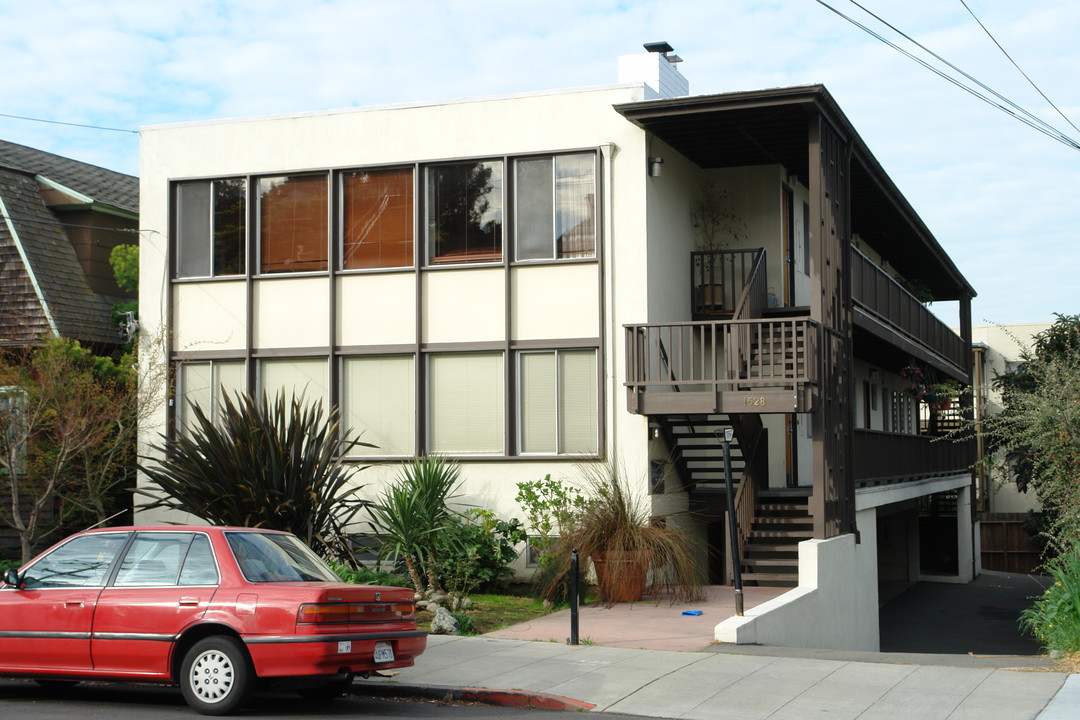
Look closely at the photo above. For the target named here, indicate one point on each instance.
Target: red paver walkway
(648, 624)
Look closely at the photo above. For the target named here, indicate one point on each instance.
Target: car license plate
(384, 652)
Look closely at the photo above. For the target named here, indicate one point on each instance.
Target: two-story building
(531, 282)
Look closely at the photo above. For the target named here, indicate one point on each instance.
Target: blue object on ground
(691, 612)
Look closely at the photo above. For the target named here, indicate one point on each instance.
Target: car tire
(329, 691)
(216, 676)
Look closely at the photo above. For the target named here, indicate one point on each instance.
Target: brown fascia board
(814, 97)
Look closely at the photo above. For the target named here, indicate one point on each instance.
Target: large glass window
(379, 403)
(204, 384)
(557, 402)
(465, 403)
(464, 212)
(377, 218)
(293, 226)
(80, 562)
(555, 207)
(211, 228)
(306, 377)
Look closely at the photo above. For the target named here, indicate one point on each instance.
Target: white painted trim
(64, 189)
(29, 268)
(872, 497)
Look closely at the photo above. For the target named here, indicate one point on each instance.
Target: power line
(933, 54)
(69, 124)
(1023, 116)
(1006, 54)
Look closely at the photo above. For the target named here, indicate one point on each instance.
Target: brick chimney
(657, 69)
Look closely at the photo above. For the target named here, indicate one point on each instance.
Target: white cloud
(997, 194)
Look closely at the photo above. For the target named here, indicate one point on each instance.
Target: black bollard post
(573, 597)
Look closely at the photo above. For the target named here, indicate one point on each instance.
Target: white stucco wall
(835, 605)
(459, 305)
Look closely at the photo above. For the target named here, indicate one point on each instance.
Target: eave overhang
(771, 127)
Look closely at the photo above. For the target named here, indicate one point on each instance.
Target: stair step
(784, 520)
(779, 533)
(772, 549)
(772, 562)
(774, 577)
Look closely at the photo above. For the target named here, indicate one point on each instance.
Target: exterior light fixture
(656, 166)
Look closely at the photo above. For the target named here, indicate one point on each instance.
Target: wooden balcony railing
(721, 366)
(718, 279)
(878, 294)
(883, 457)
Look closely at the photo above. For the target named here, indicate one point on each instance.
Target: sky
(1000, 197)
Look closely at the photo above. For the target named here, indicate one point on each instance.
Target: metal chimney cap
(659, 47)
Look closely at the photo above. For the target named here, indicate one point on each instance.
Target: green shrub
(466, 623)
(477, 552)
(364, 575)
(1054, 619)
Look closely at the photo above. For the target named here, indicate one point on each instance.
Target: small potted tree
(630, 550)
(716, 226)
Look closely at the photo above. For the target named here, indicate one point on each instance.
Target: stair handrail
(751, 440)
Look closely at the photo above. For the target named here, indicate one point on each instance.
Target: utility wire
(1039, 126)
(1006, 54)
(69, 124)
(933, 54)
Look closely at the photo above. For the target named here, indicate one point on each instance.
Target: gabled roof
(97, 184)
(49, 288)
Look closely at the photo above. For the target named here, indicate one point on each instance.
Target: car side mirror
(12, 578)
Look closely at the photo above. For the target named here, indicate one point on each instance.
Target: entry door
(164, 584)
(47, 625)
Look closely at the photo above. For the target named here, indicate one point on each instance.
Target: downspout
(607, 270)
(29, 268)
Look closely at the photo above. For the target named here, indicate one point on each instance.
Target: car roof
(182, 528)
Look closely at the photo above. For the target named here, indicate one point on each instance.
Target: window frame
(211, 219)
(515, 198)
(428, 220)
(519, 404)
(338, 210)
(257, 231)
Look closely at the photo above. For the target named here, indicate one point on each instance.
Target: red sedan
(218, 610)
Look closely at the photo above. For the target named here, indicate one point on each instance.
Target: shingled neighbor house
(533, 282)
(59, 220)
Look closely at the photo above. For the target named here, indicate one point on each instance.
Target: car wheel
(329, 691)
(216, 676)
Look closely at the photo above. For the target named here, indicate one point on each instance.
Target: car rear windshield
(273, 557)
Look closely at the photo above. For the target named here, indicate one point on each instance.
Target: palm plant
(626, 543)
(413, 520)
(265, 463)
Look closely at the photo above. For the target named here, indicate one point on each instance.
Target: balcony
(893, 314)
(881, 458)
(723, 366)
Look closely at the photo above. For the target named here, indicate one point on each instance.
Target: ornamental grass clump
(626, 544)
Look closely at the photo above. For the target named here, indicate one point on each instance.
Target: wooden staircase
(770, 555)
(781, 521)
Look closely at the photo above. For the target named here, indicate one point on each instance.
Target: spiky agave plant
(615, 520)
(269, 463)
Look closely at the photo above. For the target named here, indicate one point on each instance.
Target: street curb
(488, 696)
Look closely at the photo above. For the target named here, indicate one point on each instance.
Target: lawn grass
(493, 612)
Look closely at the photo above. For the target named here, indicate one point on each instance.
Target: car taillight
(345, 613)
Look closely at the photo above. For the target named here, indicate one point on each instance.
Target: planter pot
(710, 298)
(621, 575)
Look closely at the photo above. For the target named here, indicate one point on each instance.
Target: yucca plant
(413, 520)
(265, 463)
(626, 543)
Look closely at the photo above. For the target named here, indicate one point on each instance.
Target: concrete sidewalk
(667, 684)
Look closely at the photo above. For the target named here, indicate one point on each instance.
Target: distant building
(59, 220)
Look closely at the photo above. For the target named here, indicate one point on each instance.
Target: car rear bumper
(296, 655)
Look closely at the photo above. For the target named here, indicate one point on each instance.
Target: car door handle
(189, 602)
(73, 603)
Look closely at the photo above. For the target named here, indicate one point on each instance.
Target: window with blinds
(379, 404)
(299, 377)
(203, 385)
(557, 402)
(465, 403)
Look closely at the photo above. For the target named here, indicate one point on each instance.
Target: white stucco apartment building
(520, 282)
